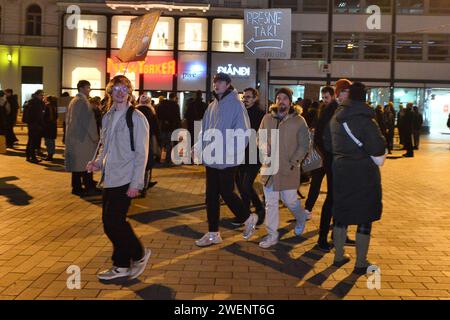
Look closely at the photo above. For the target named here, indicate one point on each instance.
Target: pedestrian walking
(12, 109)
(226, 112)
(408, 130)
(34, 117)
(401, 125)
(292, 146)
(50, 126)
(195, 111)
(355, 138)
(389, 123)
(168, 113)
(247, 172)
(122, 160)
(149, 112)
(81, 141)
(417, 127)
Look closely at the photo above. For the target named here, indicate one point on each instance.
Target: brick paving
(44, 230)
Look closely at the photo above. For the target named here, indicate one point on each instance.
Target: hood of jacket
(274, 111)
(225, 94)
(350, 109)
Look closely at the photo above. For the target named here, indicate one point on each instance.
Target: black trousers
(327, 208)
(126, 245)
(416, 136)
(221, 183)
(408, 139)
(10, 136)
(80, 179)
(34, 142)
(314, 189)
(245, 177)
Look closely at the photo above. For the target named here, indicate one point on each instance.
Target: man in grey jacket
(222, 156)
(81, 140)
(122, 159)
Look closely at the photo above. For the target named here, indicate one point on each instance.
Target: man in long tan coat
(286, 153)
(81, 140)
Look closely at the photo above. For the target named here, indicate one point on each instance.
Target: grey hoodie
(223, 114)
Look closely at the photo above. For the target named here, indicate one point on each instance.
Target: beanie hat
(286, 91)
(342, 84)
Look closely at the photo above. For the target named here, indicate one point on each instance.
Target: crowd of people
(124, 139)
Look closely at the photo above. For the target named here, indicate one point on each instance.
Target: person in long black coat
(408, 130)
(147, 109)
(35, 120)
(194, 112)
(50, 126)
(357, 179)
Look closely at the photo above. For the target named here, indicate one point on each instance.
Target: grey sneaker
(138, 267)
(113, 273)
(268, 242)
(209, 239)
(250, 226)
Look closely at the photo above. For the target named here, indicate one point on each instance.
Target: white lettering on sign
(234, 71)
(264, 23)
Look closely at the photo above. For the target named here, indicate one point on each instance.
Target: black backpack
(130, 125)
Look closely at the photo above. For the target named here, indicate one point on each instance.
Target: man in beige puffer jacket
(286, 152)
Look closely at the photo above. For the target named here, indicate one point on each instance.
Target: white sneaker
(268, 242)
(250, 226)
(308, 215)
(208, 239)
(138, 267)
(113, 273)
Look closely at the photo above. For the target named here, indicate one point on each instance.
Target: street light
(9, 56)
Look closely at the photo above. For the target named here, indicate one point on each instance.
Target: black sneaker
(93, 192)
(349, 242)
(236, 222)
(261, 216)
(80, 193)
(324, 247)
(152, 184)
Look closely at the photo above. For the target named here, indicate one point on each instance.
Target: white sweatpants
(290, 200)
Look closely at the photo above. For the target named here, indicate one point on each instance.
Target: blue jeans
(50, 145)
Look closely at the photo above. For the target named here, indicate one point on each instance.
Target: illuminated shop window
(93, 75)
(192, 71)
(162, 38)
(228, 35)
(89, 32)
(81, 64)
(193, 34)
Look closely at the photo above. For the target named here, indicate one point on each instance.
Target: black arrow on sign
(254, 45)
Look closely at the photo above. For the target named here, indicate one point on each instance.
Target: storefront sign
(142, 67)
(138, 38)
(267, 33)
(236, 71)
(195, 72)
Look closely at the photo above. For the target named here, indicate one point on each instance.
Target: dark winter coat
(322, 126)
(153, 123)
(35, 117)
(14, 105)
(50, 121)
(356, 178)
(169, 118)
(256, 115)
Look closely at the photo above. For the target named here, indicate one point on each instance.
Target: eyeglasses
(120, 89)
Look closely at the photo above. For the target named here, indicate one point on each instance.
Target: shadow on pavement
(15, 195)
(156, 292)
(156, 215)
